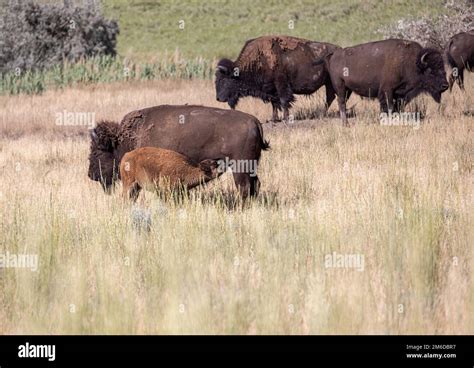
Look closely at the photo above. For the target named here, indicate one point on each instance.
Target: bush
(36, 36)
(435, 32)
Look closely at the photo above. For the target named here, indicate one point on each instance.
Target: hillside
(216, 28)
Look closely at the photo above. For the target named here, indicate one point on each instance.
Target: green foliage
(153, 46)
(103, 69)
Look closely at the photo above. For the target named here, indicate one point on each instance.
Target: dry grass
(401, 197)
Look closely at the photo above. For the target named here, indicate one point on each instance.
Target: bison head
(210, 168)
(102, 165)
(227, 83)
(430, 66)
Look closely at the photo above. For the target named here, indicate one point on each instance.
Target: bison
(161, 169)
(274, 68)
(197, 132)
(460, 56)
(393, 71)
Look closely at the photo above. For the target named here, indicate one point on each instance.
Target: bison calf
(161, 169)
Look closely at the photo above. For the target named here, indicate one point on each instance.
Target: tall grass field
(397, 199)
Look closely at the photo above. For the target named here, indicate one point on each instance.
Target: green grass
(104, 69)
(216, 28)
(152, 45)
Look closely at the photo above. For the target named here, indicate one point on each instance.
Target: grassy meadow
(398, 196)
(219, 28)
(183, 39)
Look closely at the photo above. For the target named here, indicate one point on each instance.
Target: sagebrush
(34, 36)
(434, 31)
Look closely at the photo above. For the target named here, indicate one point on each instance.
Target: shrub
(36, 36)
(436, 31)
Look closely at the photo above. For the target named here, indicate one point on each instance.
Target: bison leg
(275, 109)
(386, 101)
(460, 79)
(254, 186)
(451, 81)
(341, 99)
(399, 105)
(342, 110)
(330, 95)
(134, 192)
(286, 114)
(286, 97)
(246, 184)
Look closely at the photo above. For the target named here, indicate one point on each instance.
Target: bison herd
(183, 145)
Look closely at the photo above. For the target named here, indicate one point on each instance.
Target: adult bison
(460, 56)
(394, 71)
(198, 132)
(274, 68)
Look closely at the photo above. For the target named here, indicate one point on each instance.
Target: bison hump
(130, 124)
(264, 51)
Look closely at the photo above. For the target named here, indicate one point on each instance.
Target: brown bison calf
(164, 170)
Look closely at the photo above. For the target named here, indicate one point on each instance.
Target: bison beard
(103, 166)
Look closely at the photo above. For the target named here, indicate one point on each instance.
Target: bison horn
(94, 136)
(422, 59)
(222, 68)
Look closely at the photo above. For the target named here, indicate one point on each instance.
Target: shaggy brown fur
(163, 170)
(197, 132)
(103, 164)
(261, 50)
(274, 69)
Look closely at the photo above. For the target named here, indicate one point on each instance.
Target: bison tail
(323, 60)
(449, 57)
